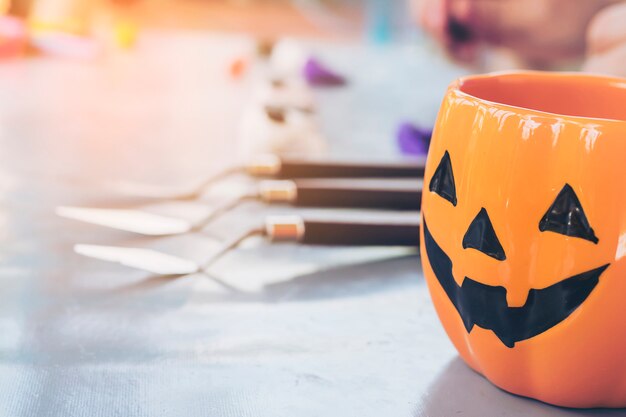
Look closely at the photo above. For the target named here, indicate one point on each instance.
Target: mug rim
(595, 78)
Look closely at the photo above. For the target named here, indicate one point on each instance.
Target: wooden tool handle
(360, 234)
(352, 193)
(311, 169)
(344, 233)
(272, 166)
(348, 194)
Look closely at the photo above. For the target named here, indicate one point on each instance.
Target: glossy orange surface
(515, 140)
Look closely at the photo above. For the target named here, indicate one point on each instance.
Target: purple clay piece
(413, 140)
(317, 74)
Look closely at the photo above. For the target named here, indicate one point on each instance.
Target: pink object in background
(66, 45)
(13, 36)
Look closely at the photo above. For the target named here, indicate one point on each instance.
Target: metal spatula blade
(148, 260)
(135, 221)
(155, 191)
(183, 192)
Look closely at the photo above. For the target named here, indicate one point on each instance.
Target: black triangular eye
(566, 216)
(481, 236)
(442, 181)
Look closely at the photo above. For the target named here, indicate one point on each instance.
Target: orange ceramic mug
(524, 232)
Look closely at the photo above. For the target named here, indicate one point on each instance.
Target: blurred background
(95, 87)
(343, 18)
(165, 93)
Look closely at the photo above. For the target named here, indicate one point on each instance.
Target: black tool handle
(292, 169)
(361, 234)
(355, 194)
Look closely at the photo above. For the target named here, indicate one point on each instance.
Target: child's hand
(606, 42)
(541, 31)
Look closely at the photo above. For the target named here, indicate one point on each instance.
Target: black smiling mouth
(486, 306)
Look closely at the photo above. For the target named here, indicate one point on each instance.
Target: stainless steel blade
(144, 259)
(135, 221)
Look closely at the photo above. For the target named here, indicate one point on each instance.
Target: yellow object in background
(69, 16)
(125, 34)
(4, 6)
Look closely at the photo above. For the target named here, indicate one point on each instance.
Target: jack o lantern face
(486, 305)
(524, 233)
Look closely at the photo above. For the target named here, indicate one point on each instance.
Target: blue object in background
(388, 21)
(379, 23)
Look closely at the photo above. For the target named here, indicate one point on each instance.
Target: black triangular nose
(566, 216)
(481, 236)
(442, 181)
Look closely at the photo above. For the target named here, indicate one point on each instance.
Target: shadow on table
(347, 281)
(460, 391)
(334, 282)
